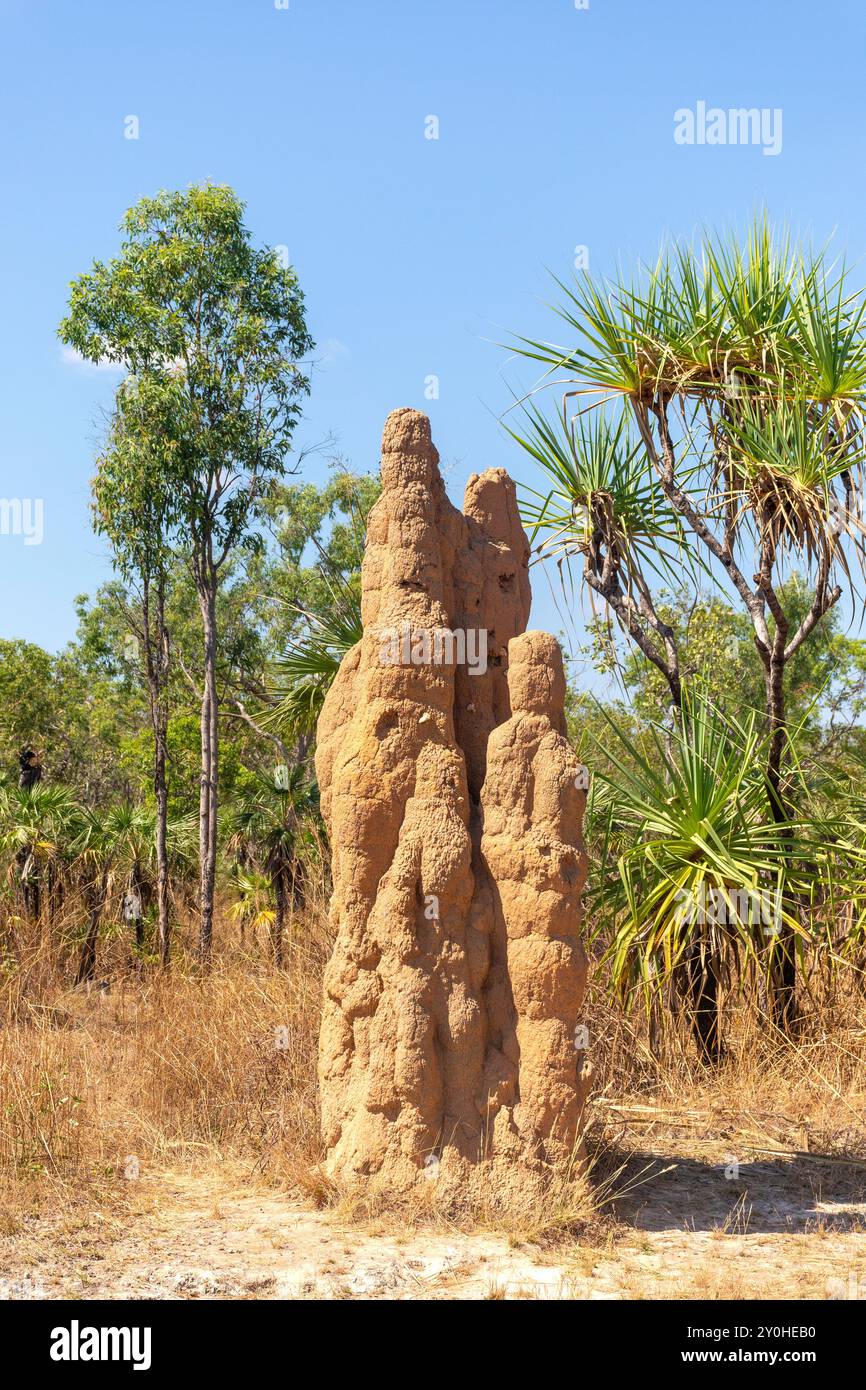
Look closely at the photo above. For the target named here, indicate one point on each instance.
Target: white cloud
(332, 350)
(72, 357)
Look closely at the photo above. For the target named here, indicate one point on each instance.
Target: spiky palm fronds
(603, 502)
(829, 342)
(696, 854)
(701, 315)
(792, 470)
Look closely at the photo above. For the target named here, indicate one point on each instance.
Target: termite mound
(454, 805)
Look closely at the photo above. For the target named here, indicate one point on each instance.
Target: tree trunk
(783, 981)
(157, 666)
(87, 960)
(136, 884)
(783, 965)
(279, 883)
(209, 770)
(29, 880)
(699, 986)
(160, 785)
(162, 884)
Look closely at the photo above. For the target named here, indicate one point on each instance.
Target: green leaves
(44, 820)
(302, 677)
(761, 308)
(136, 500)
(602, 496)
(266, 820)
(691, 853)
(327, 619)
(829, 341)
(702, 856)
(212, 329)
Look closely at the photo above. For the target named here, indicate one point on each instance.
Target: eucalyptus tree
(214, 331)
(727, 381)
(133, 506)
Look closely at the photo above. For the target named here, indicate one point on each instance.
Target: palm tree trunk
(783, 966)
(87, 960)
(699, 983)
(279, 883)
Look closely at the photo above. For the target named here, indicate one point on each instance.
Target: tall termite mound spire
(454, 811)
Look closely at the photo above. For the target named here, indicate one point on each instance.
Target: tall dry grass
(804, 1093)
(160, 1069)
(185, 1069)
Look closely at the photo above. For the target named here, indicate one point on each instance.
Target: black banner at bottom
(180, 1337)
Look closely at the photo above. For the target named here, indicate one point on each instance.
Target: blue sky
(556, 129)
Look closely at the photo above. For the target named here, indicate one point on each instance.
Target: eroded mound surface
(454, 805)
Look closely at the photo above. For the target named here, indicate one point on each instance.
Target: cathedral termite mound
(454, 805)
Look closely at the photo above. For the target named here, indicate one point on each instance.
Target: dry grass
(573, 1206)
(158, 1070)
(187, 1072)
(802, 1095)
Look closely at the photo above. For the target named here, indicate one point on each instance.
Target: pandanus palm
(743, 368)
(700, 885)
(603, 510)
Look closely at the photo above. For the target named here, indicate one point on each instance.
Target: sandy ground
(685, 1227)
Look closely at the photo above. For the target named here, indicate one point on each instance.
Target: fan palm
(254, 905)
(302, 677)
(38, 826)
(265, 826)
(115, 853)
(115, 844)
